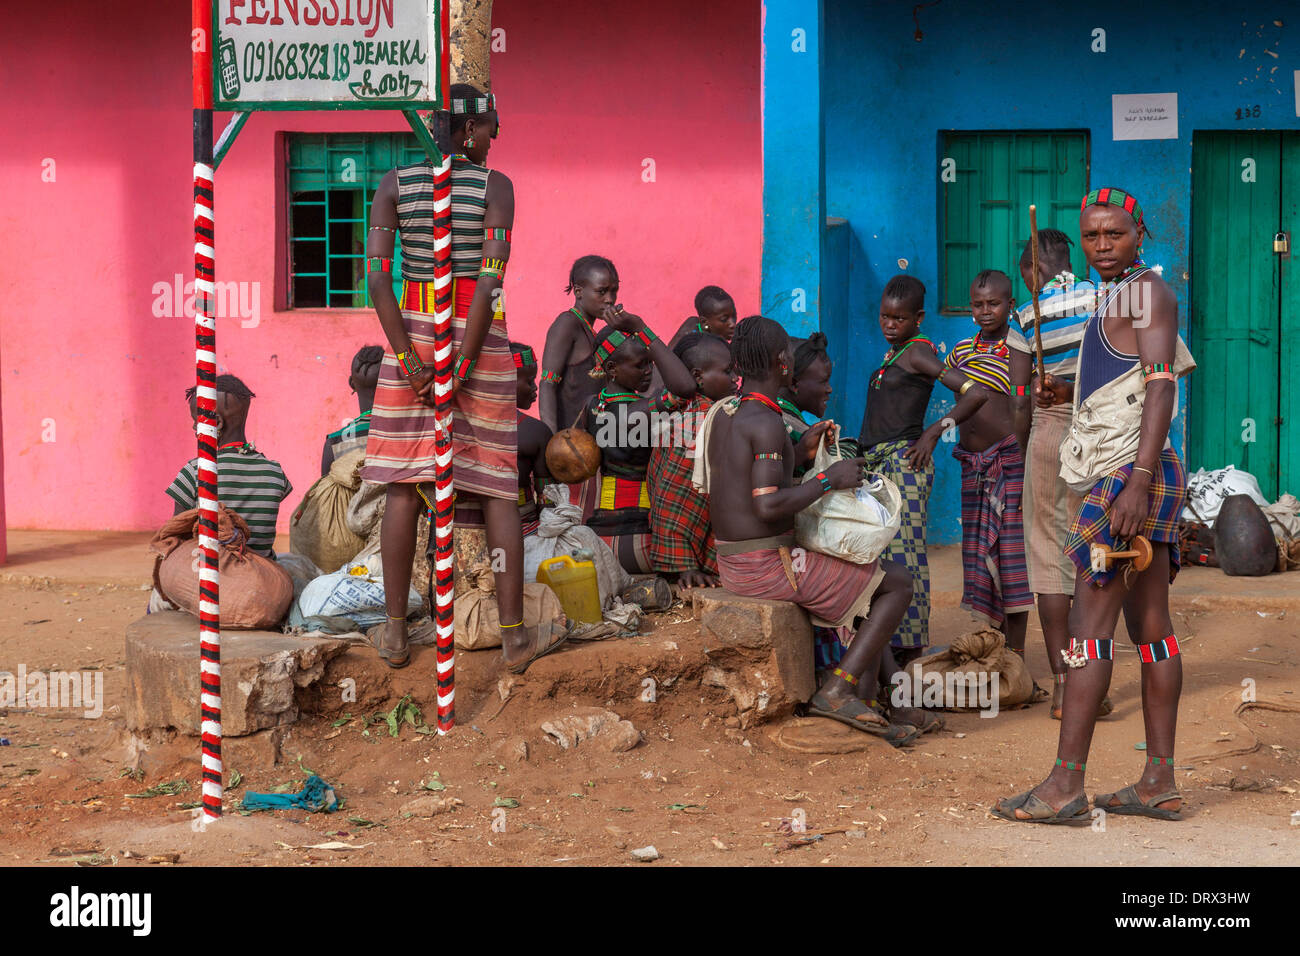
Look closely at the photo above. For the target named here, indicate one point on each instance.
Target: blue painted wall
(1019, 66)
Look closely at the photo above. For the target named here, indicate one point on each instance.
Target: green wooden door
(1289, 388)
(1235, 409)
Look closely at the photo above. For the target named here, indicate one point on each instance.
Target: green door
(1243, 324)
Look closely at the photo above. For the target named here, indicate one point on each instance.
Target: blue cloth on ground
(315, 796)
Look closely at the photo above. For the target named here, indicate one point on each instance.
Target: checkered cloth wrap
(908, 546)
(1167, 495)
(995, 576)
(681, 538)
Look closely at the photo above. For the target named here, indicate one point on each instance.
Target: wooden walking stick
(1033, 289)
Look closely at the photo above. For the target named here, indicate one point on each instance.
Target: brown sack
(979, 654)
(478, 625)
(255, 592)
(319, 528)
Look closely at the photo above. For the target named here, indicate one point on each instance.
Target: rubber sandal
(538, 650)
(849, 712)
(1130, 804)
(396, 658)
(1073, 813)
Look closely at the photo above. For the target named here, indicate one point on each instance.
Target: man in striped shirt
(363, 381)
(1064, 302)
(248, 483)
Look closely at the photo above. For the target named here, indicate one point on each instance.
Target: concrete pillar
(794, 193)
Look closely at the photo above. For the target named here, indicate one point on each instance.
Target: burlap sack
(978, 654)
(255, 591)
(319, 528)
(478, 624)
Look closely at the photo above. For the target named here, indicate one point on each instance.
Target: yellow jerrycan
(574, 583)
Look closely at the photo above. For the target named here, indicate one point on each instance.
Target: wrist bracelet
(492, 267)
(409, 362)
(1151, 473)
(965, 387)
(826, 482)
(463, 368)
(646, 335)
(1022, 390)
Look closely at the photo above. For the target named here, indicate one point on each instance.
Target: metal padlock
(1282, 243)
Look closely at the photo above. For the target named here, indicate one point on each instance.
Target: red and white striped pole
(444, 586)
(205, 369)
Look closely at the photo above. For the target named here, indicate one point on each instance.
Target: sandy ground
(697, 788)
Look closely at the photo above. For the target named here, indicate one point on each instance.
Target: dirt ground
(697, 788)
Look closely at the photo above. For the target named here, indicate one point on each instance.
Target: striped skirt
(401, 443)
(1166, 496)
(908, 546)
(995, 578)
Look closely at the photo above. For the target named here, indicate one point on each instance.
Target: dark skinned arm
(767, 435)
(922, 362)
(500, 213)
(555, 357)
(677, 377)
(1022, 370)
(380, 242)
(1156, 341)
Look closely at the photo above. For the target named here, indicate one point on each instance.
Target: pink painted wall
(585, 95)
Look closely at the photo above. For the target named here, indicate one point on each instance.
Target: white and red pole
(444, 585)
(205, 371)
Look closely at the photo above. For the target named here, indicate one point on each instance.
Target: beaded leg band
(1102, 649)
(1158, 650)
(845, 675)
(1071, 765)
(1160, 761)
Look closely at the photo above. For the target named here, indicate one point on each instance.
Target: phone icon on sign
(229, 69)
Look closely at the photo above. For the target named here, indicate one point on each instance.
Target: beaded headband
(524, 358)
(1113, 197)
(474, 104)
(608, 347)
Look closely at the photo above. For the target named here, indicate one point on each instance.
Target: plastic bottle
(574, 583)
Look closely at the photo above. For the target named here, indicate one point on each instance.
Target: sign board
(326, 54)
(1144, 115)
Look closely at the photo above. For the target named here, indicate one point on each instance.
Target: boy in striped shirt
(248, 483)
(995, 582)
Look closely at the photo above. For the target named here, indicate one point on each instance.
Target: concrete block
(262, 674)
(761, 652)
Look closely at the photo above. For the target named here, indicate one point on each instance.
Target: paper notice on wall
(1144, 115)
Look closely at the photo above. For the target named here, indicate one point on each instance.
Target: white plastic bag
(1207, 490)
(853, 524)
(359, 597)
(561, 531)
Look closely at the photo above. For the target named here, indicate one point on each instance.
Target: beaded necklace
(243, 447)
(756, 397)
(620, 397)
(893, 356)
(789, 406)
(998, 348)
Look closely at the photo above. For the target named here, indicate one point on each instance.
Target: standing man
(1125, 397)
(1064, 304)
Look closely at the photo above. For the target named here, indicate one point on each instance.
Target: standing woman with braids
(400, 451)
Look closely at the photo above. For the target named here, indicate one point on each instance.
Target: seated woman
(620, 417)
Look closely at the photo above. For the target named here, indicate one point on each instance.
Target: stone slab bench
(262, 674)
(760, 652)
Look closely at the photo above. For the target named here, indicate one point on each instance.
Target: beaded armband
(409, 363)
(826, 482)
(493, 267)
(496, 233)
(463, 368)
(646, 335)
(1022, 390)
(769, 456)
(1156, 371)
(552, 376)
(378, 264)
